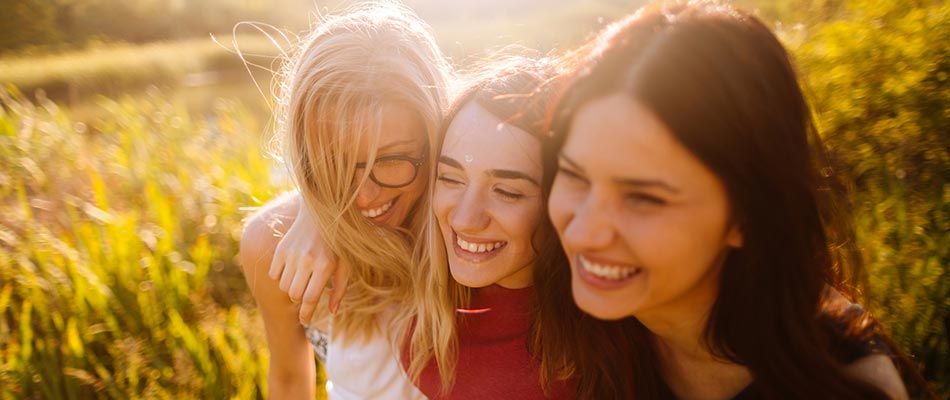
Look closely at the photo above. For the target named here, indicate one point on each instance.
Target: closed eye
(644, 199)
(509, 195)
(448, 181)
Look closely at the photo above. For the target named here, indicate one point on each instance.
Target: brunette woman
(689, 201)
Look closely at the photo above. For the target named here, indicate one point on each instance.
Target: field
(123, 190)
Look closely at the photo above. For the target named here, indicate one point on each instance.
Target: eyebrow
(635, 182)
(496, 173)
(398, 143)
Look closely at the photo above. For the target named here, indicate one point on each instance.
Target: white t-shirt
(361, 369)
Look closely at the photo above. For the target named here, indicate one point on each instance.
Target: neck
(679, 328)
(687, 363)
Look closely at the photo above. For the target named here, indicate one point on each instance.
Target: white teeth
(610, 272)
(378, 211)
(478, 247)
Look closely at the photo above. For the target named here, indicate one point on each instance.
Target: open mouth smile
(379, 212)
(604, 274)
(476, 250)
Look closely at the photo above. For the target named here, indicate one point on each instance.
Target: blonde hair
(335, 86)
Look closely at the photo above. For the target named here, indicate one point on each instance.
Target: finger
(277, 262)
(306, 312)
(339, 288)
(299, 284)
(287, 277)
(318, 281)
(315, 287)
(310, 300)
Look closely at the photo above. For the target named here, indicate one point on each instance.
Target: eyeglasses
(395, 171)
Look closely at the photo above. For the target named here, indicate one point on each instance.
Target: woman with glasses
(488, 249)
(360, 106)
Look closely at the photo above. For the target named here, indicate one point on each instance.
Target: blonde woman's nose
(367, 194)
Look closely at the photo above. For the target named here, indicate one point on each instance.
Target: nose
(367, 194)
(470, 213)
(591, 225)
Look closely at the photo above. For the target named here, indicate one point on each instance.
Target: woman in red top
(477, 299)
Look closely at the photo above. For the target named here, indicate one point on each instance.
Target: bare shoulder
(879, 370)
(265, 228)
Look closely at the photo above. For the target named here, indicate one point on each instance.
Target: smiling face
(488, 199)
(401, 134)
(643, 221)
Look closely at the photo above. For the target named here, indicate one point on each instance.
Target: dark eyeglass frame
(416, 163)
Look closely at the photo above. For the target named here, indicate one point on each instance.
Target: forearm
(292, 370)
(285, 384)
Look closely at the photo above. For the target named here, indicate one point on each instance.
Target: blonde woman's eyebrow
(397, 143)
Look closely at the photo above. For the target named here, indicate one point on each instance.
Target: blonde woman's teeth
(377, 211)
(478, 247)
(606, 271)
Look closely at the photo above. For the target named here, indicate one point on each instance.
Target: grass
(117, 245)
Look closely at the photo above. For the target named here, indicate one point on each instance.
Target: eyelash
(443, 178)
(503, 193)
(509, 195)
(641, 198)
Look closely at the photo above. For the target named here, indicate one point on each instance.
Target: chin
(597, 305)
(464, 276)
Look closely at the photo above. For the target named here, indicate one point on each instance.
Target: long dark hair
(725, 87)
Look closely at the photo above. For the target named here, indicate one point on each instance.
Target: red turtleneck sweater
(494, 362)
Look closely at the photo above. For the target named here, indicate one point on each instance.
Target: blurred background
(132, 145)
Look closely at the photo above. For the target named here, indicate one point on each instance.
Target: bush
(880, 83)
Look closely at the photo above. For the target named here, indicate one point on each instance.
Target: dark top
(493, 360)
(847, 348)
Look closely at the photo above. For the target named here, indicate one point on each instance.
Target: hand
(303, 264)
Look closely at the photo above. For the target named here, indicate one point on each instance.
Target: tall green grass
(117, 246)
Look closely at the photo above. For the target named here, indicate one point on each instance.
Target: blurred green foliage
(117, 241)
(879, 77)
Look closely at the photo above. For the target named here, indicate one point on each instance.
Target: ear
(734, 236)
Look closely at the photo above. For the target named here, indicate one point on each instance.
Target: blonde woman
(478, 331)
(359, 110)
